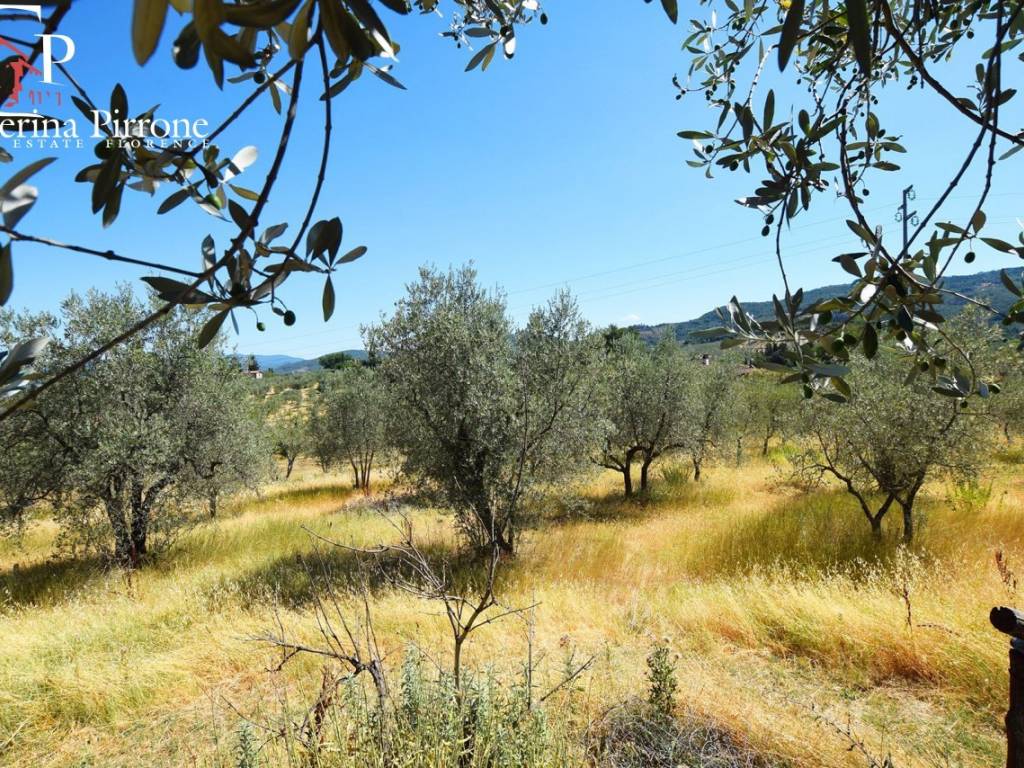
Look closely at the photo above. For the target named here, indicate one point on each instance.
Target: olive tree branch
(939, 88)
(240, 109)
(108, 255)
(326, 153)
(236, 244)
(993, 79)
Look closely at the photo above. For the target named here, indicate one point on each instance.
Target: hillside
(984, 286)
(292, 364)
(277, 362)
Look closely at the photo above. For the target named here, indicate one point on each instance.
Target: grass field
(787, 622)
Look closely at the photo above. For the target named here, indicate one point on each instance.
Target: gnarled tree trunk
(117, 516)
(907, 505)
(362, 468)
(624, 467)
(645, 468)
(129, 506)
(876, 518)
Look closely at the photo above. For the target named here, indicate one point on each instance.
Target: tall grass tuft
(488, 723)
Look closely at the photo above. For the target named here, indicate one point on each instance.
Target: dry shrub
(635, 734)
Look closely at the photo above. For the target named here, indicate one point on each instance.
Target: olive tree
(26, 466)
(127, 449)
(644, 395)
(290, 434)
(889, 439)
(234, 449)
(485, 413)
(764, 410)
(349, 423)
(1008, 408)
(707, 410)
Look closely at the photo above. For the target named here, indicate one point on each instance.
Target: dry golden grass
(779, 606)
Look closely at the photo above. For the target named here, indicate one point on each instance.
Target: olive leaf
(211, 329)
(352, 255)
(790, 31)
(147, 25)
(671, 9)
(328, 300)
(870, 340)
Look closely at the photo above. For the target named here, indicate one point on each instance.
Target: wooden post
(1011, 622)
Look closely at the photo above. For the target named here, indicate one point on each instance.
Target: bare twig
(108, 255)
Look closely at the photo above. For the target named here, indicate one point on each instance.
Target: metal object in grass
(1011, 622)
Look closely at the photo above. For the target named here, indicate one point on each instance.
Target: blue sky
(560, 168)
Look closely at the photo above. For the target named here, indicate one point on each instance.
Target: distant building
(253, 368)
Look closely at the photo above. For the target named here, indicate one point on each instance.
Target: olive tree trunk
(128, 505)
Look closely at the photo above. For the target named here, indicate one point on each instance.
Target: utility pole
(907, 218)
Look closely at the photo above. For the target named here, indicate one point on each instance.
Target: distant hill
(294, 365)
(983, 286)
(278, 362)
(291, 364)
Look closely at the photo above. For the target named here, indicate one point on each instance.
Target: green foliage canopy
(645, 391)
(349, 423)
(485, 412)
